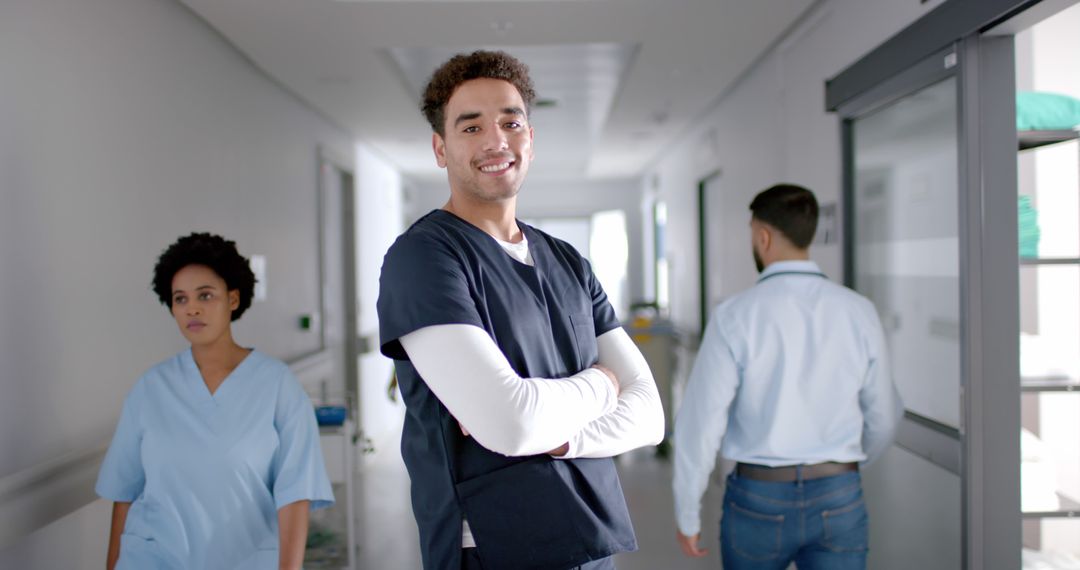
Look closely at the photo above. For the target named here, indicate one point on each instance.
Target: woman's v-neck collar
(198, 383)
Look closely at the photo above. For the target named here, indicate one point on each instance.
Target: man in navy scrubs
(518, 381)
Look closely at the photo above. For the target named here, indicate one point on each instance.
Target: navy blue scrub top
(524, 512)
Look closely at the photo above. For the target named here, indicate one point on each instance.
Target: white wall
(124, 124)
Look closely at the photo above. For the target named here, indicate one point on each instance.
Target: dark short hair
(213, 251)
(789, 208)
(476, 65)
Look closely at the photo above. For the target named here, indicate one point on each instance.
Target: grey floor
(387, 532)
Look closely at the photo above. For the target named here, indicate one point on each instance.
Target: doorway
(710, 243)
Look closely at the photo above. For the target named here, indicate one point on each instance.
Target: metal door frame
(703, 248)
(331, 164)
(985, 450)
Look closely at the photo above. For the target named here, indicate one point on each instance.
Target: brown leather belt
(791, 472)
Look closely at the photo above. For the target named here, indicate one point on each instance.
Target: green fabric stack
(1040, 111)
(1028, 222)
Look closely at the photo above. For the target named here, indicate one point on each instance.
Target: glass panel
(918, 503)
(1051, 544)
(906, 242)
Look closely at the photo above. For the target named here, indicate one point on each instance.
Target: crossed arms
(518, 416)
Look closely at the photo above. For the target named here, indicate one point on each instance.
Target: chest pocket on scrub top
(584, 338)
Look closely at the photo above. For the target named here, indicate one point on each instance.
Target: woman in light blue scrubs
(215, 462)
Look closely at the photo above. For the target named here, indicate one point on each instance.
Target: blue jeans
(818, 524)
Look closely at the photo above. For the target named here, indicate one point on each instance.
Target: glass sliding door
(902, 212)
(906, 183)
(933, 217)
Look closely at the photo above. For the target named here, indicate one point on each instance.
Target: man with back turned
(792, 381)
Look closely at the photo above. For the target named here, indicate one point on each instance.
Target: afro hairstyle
(213, 251)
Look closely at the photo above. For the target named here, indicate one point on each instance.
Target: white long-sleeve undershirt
(504, 412)
(638, 418)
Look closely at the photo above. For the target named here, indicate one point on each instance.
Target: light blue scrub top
(206, 473)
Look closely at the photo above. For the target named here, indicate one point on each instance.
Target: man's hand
(689, 545)
(560, 451)
(610, 375)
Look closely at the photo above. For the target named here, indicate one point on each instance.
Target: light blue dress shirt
(791, 371)
(206, 473)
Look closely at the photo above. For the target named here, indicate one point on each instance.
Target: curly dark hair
(476, 65)
(213, 251)
(789, 208)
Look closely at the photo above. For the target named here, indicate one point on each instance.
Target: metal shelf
(1069, 509)
(1035, 139)
(1050, 260)
(1049, 384)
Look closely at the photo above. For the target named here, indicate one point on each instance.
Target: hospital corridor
(539, 284)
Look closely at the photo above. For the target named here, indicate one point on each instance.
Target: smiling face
(487, 147)
(202, 305)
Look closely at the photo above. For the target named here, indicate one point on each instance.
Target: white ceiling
(626, 76)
